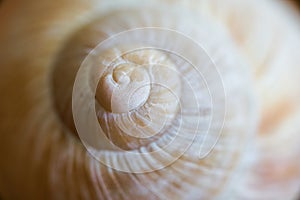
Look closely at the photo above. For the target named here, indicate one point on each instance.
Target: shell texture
(172, 99)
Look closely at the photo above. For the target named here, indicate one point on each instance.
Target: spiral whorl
(124, 89)
(150, 93)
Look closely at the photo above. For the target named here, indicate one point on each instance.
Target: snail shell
(123, 100)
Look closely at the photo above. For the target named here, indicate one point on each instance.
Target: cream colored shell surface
(215, 79)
